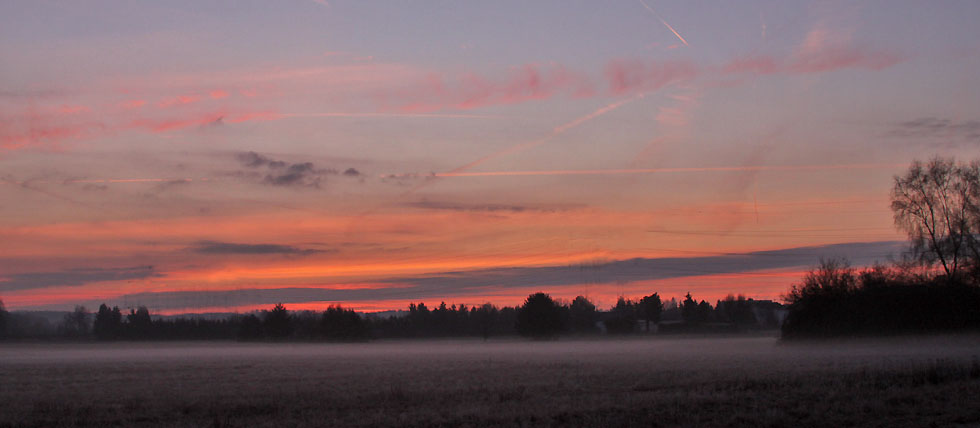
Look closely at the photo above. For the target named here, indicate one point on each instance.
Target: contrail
(558, 130)
(666, 170)
(665, 22)
(24, 185)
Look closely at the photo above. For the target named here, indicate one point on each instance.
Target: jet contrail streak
(672, 30)
(26, 186)
(558, 130)
(666, 170)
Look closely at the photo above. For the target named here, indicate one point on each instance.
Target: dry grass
(637, 382)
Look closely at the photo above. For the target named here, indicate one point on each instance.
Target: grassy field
(746, 381)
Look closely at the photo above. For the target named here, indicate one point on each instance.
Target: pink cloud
(628, 76)
(263, 115)
(814, 61)
(215, 118)
(73, 109)
(39, 135)
(42, 131)
(132, 104)
(218, 94)
(168, 125)
(752, 64)
(47, 127)
(530, 82)
(179, 100)
(824, 49)
(836, 58)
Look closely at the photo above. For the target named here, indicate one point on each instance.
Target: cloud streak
(214, 247)
(497, 280)
(73, 277)
(288, 174)
(933, 128)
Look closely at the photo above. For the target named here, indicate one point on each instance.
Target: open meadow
(911, 381)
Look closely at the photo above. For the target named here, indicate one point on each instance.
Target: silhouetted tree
(484, 318)
(816, 304)
(938, 206)
(582, 315)
(703, 312)
(419, 318)
(3, 320)
(736, 310)
(622, 318)
(277, 322)
(540, 317)
(250, 328)
(651, 307)
(139, 323)
(108, 323)
(337, 323)
(76, 324)
(689, 309)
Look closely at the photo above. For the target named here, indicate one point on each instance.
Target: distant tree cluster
(448, 321)
(539, 317)
(936, 289)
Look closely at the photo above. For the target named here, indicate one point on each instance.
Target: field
(741, 381)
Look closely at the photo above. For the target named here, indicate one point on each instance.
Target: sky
(213, 156)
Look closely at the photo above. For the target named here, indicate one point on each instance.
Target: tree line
(540, 317)
(934, 287)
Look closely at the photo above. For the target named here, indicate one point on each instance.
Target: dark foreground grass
(649, 382)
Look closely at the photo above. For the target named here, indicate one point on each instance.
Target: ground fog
(630, 382)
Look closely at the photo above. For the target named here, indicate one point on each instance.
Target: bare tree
(936, 205)
(77, 323)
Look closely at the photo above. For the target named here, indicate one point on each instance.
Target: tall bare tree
(936, 205)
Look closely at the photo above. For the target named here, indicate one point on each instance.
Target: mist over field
(599, 382)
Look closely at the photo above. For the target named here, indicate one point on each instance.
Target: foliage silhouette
(650, 309)
(540, 317)
(76, 324)
(277, 322)
(582, 315)
(250, 328)
(622, 318)
(339, 324)
(3, 320)
(108, 323)
(835, 300)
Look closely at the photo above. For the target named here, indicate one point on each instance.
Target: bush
(834, 300)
